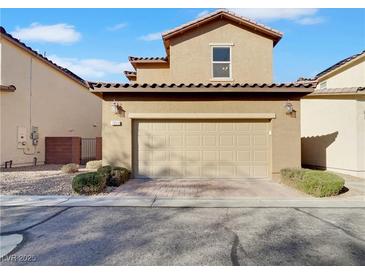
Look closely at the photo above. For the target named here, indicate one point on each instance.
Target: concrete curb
(32, 200)
(113, 201)
(242, 203)
(8, 243)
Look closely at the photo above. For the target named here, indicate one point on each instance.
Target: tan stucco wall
(117, 140)
(352, 75)
(190, 56)
(150, 73)
(336, 127)
(361, 135)
(45, 98)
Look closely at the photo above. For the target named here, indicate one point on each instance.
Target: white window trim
(220, 45)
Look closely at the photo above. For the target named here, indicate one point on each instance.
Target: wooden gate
(88, 150)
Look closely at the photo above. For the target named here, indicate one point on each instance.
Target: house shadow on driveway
(160, 236)
(206, 188)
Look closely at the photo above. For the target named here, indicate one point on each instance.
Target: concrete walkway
(234, 202)
(8, 243)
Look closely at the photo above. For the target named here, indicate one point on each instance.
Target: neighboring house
(207, 109)
(333, 119)
(40, 99)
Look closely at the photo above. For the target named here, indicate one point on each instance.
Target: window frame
(212, 62)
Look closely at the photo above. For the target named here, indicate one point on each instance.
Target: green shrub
(70, 168)
(104, 170)
(314, 182)
(114, 176)
(88, 183)
(93, 164)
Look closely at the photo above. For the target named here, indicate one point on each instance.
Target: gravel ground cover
(37, 180)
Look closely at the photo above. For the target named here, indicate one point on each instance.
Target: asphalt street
(185, 236)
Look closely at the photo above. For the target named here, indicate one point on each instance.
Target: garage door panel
(259, 126)
(260, 171)
(193, 156)
(226, 127)
(244, 155)
(243, 170)
(210, 127)
(176, 141)
(210, 156)
(226, 140)
(243, 127)
(159, 141)
(176, 156)
(226, 171)
(201, 149)
(159, 155)
(194, 140)
(159, 127)
(226, 155)
(260, 156)
(210, 140)
(175, 126)
(209, 171)
(192, 171)
(193, 126)
(243, 140)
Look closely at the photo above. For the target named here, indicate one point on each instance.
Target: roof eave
(31, 52)
(131, 77)
(343, 94)
(325, 75)
(132, 90)
(274, 35)
(134, 63)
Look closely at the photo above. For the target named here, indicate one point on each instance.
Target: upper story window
(221, 62)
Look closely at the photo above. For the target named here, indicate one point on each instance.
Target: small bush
(314, 182)
(70, 168)
(114, 176)
(105, 170)
(93, 164)
(88, 183)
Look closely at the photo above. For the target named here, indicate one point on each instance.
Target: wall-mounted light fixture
(289, 108)
(116, 107)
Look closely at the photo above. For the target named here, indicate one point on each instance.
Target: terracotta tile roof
(303, 80)
(339, 64)
(130, 73)
(339, 91)
(207, 87)
(275, 34)
(133, 59)
(63, 70)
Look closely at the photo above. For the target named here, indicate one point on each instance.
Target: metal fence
(88, 150)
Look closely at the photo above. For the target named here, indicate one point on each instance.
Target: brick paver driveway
(206, 188)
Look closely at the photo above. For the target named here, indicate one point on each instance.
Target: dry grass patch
(70, 168)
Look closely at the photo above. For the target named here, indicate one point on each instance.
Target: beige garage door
(201, 149)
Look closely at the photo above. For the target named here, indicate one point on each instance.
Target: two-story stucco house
(207, 109)
(333, 119)
(40, 99)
